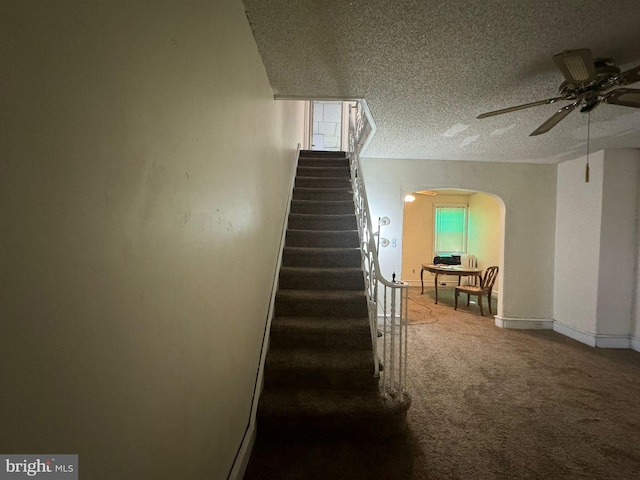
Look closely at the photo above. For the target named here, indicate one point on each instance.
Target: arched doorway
(483, 233)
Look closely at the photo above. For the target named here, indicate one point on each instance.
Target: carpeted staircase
(319, 368)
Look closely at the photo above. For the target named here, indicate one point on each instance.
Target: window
(450, 229)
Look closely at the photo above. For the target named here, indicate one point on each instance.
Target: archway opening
(457, 222)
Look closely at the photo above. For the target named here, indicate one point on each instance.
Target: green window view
(450, 229)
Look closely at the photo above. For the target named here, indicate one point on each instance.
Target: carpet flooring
(488, 403)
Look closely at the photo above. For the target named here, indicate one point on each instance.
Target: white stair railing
(387, 300)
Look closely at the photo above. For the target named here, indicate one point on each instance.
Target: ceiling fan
(586, 81)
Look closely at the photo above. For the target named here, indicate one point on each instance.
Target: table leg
(436, 283)
(421, 281)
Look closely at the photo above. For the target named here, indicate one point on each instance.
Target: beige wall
(486, 231)
(145, 176)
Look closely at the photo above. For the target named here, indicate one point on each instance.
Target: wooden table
(457, 270)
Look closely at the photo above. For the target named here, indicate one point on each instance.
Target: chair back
(490, 275)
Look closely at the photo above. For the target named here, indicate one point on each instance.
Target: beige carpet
(491, 403)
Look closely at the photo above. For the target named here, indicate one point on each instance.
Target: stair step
(334, 369)
(323, 238)
(328, 333)
(319, 278)
(321, 257)
(323, 182)
(322, 154)
(323, 162)
(330, 170)
(318, 303)
(310, 412)
(306, 193)
(319, 206)
(318, 221)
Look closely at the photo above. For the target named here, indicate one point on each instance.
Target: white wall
(144, 182)
(596, 248)
(529, 194)
(577, 252)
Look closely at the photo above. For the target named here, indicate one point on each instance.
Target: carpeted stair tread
(323, 182)
(322, 206)
(325, 295)
(323, 271)
(321, 256)
(305, 359)
(321, 278)
(336, 250)
(332, 303)
(322, 369)
(322, 324)
(346, 413)
(329, 333)
(334, 153)
(322, 221)
(309, 193)
(311, 402)
(342, 170)
(322, 238)
(321, 216)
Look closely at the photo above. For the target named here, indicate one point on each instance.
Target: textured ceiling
(428, 68)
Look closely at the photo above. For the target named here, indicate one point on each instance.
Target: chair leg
(480, 305)
(456, 300)
(489, 300)
(468, 299)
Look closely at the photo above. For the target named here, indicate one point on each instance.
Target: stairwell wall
(145, 176)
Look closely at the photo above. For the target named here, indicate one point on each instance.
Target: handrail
(388, 319)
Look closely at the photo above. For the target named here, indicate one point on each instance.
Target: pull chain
(586, 172)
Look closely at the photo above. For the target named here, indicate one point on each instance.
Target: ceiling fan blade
(629, 77)
(628, 97)
(554, 119)
(577, 66)
(519, 107)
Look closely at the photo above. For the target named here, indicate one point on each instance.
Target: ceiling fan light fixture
(577, 68)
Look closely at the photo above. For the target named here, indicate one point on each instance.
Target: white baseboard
(599, 340)
(613, 341)
(524, 323)
(587, 338)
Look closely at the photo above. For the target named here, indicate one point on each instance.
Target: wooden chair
(485, 288)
